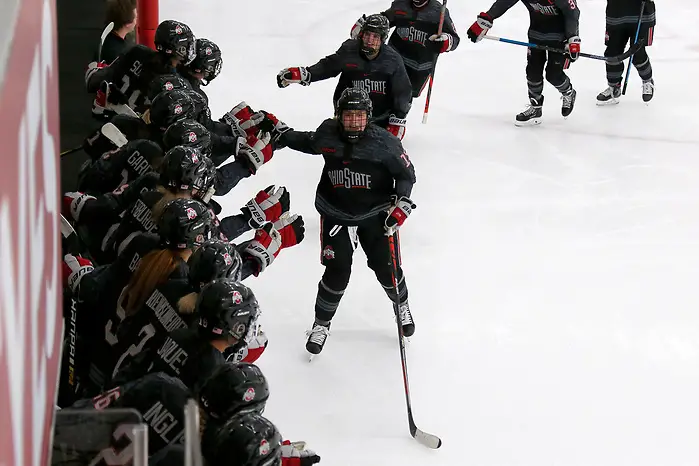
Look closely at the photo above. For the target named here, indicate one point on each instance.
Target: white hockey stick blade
(424, 119)
(428, 440)
(123, 109)
(113, 133)
(103, 37)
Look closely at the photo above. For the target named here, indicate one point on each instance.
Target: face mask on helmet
(353, 123)
(353, 111)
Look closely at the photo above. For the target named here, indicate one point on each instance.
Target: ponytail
(155, 268)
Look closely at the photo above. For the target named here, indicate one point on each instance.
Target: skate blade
(607, 103)
(532, 122)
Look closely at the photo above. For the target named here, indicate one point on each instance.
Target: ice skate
(568, 103)
(406, 320)
(532, 115)
(609, 96)
(316, 339)
(648, 90)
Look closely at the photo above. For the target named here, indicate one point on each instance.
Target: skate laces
(318, 334)
(611, 91)
(647, 87)
(405, 316)
(567, 99)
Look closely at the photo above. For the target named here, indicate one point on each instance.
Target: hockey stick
(434, 65)
(111, 132)
(103, 37)
(638, 31)
(611, 60)
(428, 440)
(70, 151)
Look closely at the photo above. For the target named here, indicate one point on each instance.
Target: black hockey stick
(638, 31)
(428, 440)
(610, 60)
(434, 65)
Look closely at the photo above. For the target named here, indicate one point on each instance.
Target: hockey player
(247, 439)
(622, 23)
(226, 312)
(205, 67)
(415, 37)
(129, 76)
(365, 63)
(105, 294)
(362, 196)
(553, 23)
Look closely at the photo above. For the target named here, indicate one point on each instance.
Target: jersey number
(146, 333)
(135, 94)
(110, 456)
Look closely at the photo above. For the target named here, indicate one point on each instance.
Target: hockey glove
(256, 152)
(271, 124)
(267, 206)
(573, 48)
(73, 203)
(291, 228)
(444, 42)
(74, 269)
(396, 126)
(357, 28)
(242, 119)
(297, 75)
(398, 213)
(294, 454)
(107, 100)
(480, 28)
(265, 247)
(92, 68)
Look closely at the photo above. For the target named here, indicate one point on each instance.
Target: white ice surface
(552, 270)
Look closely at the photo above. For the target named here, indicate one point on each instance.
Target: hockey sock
(535, 89)
(327, 302)
(645, 71)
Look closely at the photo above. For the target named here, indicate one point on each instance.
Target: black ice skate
(406, 320)
(568, 103)
(532, 115)
(648, 90)
(609, 96)
(316, 338)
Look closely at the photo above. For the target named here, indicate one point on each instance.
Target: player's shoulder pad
(328, 126)
(350, 46)
(390, 144)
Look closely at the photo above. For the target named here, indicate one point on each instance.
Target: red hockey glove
(444, 42)
(573, 48)
(256, 152)
(397, 214)
(396, 126)
(291, 228)
(265, 247)
(73, 203)
(296, 75)
(294, 454)
(480, 28)
(74, 268)
(267, 206)
(357, 28)
(242, 119)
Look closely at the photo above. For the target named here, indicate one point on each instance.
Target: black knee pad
(337, 278)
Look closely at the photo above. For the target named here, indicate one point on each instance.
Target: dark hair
(120, 12)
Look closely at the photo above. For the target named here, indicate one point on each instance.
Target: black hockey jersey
(624, 12)
(550, 20)
(384, 78)
(413, 29)
(358, 179)
(159, 398)
(184, 354)
(119, 167)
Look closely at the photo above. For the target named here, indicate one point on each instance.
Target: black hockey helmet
(185, 223)
(166, 82)
(227, 308)
(183, 168)
(353, 98)
(202, 113)
(214, 260)
(175, 38)
(171, 106)
(374, 23)
(208, 61)
(234, 388)
(244, 440)
(188, 133)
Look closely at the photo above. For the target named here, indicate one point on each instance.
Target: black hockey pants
(537, 61)
(616, 38)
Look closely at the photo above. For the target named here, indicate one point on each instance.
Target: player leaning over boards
(553, 23)
(362, 197)
(622, 24)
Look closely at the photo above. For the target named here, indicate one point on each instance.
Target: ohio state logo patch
(191, 213)
(237, 297)
(192, 137)
(249, 395)
(178, 109)
(169, 86)
(264, 447)
(328, 252)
